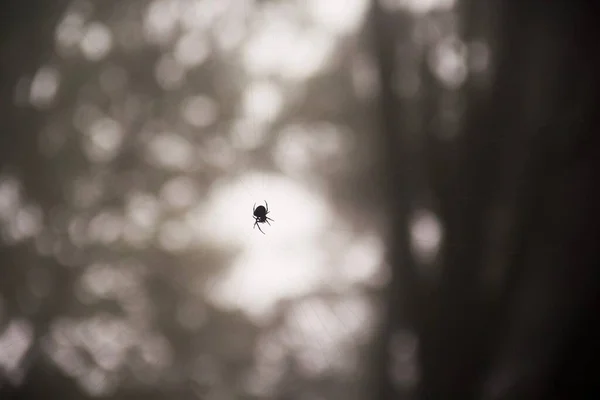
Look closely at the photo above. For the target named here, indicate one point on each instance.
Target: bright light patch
(246, 134)
(340, 16)
(170, 150)
(291, 152)
(426, 235)
(280, 47)
(160, 21)
(363, 261)
(14, 342)
(180, 192)
(227, 215)
(448, 62)
(200, 111)
(96, 42)
(258, 279)
(70, 30)
(262, 101)
(44, 86)
(192, 50)
(104, 139)
(142, 209)
(286, 261)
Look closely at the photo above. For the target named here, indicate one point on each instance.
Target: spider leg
(270, 219)
(268, 222)
(254, 208)
(267, 204)
(261, 231)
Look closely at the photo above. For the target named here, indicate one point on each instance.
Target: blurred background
(431, 167)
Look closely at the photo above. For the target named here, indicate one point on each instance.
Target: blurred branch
(503, 161)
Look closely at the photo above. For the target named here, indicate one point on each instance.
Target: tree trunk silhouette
(518, 208)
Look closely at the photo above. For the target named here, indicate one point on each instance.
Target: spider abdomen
(260, 212)
(260, 215)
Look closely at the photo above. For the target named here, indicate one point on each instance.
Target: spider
(260, 216)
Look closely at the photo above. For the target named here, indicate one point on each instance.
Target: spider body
(260, 216)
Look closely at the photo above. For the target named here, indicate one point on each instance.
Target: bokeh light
(162, 123)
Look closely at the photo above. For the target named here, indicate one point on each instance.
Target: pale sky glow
(283, 48)
(289, 260)
(262, 275)
(226, 217)
(339, 16)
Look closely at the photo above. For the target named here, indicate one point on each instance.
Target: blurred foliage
(125, 125)
(133, 133)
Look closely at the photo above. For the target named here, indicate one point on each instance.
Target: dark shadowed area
(430, 168)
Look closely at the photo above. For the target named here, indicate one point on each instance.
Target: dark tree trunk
(520, 210)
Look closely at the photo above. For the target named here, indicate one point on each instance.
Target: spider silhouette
(260, 216)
